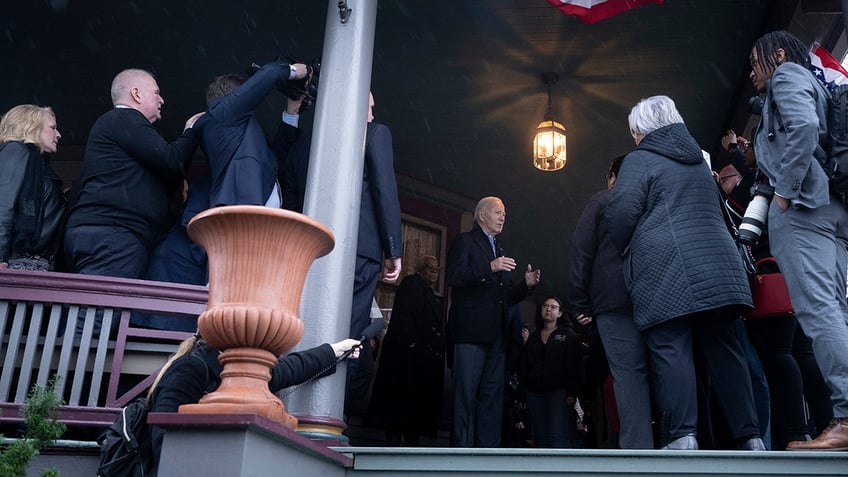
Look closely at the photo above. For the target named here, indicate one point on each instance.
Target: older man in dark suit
(481, 291)
(128, 172)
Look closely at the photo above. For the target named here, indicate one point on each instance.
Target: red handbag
(769, 293)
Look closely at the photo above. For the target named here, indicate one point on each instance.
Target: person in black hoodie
(552, 373)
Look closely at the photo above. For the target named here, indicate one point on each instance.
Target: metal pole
(333, 190)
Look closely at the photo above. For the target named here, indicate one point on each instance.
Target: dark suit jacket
(244, 168)
(379, 209)
(479, 298)
(126, 175)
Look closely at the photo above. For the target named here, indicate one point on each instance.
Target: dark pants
(554, 421)
(712, 334)
(177, 259)
(773, 338)
(105, 250)
(361, 371)
(478, 375)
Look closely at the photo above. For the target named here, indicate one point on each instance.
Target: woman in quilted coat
(684, 274)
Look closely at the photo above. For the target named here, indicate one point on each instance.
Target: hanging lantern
(549, 144)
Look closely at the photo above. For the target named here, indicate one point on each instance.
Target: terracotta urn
(258, 261)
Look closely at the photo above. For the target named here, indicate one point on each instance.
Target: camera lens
(754, 220)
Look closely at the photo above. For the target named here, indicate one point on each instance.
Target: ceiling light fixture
(549, 153)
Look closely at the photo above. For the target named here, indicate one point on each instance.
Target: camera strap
(731, 216)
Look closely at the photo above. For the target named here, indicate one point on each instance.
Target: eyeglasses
(432, 268)
(550, 307)
(722, 180)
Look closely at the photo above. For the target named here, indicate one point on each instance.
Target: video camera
(307, 88)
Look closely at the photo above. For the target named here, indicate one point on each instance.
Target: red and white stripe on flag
(827, 68)
(591, 11)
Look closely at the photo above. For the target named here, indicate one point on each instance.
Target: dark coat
(479, 298)
(25, 171)
(407, 393)
(597, 279)
(197, 373)
(244, 167)
(379, 208)
(128, 173)
(557, 364)
(666, 219)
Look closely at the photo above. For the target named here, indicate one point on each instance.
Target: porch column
(333, 189)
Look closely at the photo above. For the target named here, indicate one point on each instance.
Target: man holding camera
(808, 228)
(243, 166)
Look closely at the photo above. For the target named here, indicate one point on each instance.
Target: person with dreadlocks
(808, 228)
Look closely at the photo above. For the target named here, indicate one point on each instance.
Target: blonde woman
(194, 370)
(31, 200)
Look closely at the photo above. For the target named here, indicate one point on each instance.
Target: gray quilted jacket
(665, 218)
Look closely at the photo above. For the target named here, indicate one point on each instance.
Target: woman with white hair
(31, 199)
(684, 274)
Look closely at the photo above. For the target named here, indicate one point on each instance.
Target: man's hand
(391, 269)
(293, 105)
(190, 122)
(728, 139)
(782, 202)
(532, 277)
(342, 346)
(583, 319)
(300, 71)
(502, 264)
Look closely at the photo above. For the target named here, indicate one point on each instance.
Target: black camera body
(307, 88)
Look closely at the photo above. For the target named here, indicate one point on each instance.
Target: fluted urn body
(258, 261)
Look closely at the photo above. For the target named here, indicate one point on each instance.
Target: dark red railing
(50, 322)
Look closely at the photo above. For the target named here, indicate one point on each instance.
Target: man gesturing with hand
(481, 291)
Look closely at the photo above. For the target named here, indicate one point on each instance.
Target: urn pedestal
(258, 261)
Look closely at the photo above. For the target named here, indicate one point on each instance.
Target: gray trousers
(810, 248)
(628, 361)
(478, 376)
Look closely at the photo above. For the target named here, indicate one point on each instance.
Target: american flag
(826, 68)
(591, 11)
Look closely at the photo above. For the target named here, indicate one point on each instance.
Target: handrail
(49, 324)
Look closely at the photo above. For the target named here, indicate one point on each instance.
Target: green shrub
(40, 411)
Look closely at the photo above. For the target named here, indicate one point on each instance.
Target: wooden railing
(51, 324)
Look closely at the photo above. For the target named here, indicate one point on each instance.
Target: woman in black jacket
(552, 372)
(31, 201)
(194, 371)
